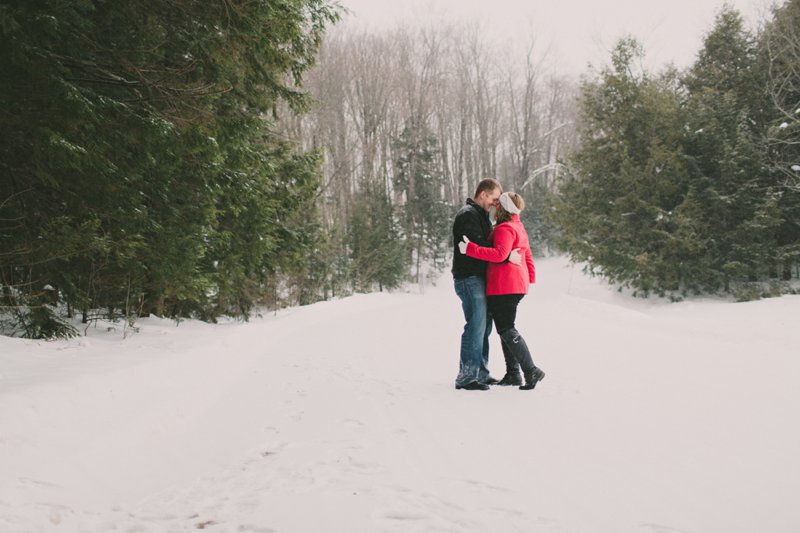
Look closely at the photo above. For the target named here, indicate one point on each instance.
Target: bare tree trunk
(489, 119)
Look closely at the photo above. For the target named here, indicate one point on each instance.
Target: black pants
(503, 309)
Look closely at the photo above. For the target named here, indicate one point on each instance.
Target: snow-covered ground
(342, 416)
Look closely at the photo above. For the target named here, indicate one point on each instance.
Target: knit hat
(508, 204)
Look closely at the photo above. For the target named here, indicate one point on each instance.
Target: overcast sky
(578, 32)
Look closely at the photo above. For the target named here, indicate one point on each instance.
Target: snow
(342, 416)
(784, 125)
(796, 168)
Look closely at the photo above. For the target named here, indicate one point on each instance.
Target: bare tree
(782, 43)
(489, 111)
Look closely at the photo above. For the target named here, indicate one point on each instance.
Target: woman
(507, 284)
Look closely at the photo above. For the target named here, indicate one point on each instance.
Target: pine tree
(677, 184)
(724, 97)
(136, 147)
(418, 177)
(630, 176)
(377, 250)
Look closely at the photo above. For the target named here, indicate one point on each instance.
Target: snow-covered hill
(342, 416)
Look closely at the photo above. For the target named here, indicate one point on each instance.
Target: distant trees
(779, 56)
(779, 53)
(684, 181)
(184, 158)
(378, 256)
(411, 120)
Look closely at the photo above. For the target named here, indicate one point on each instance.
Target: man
(469, 278)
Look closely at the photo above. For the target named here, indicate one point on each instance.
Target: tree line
(194, 159)
(409, 121)
(689, 182)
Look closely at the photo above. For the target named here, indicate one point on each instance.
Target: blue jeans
(475, 339)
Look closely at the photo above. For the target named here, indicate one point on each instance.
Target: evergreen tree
(678, 185)
(542, 228)
(618, 212)
(725, 94)
(376, 247)
(418, 177)
(133, 152)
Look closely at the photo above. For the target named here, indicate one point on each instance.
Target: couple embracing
(492, 268)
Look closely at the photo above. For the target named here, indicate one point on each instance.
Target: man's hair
(486, 184)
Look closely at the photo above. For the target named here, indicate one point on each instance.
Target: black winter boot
(511, 379)
(513, 376)
(517, 346)
(532, 378)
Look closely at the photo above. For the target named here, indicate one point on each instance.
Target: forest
(202, 160)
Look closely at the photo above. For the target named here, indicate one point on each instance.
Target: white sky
(578, 32)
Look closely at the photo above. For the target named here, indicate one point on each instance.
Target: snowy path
(342, 416)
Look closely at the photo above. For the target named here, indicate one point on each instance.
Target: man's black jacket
(472, 221)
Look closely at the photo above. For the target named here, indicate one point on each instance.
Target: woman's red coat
(503, 277)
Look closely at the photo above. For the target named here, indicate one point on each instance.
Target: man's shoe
(532, 379)
(491, 381)
(474, 385)
(511, 379)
